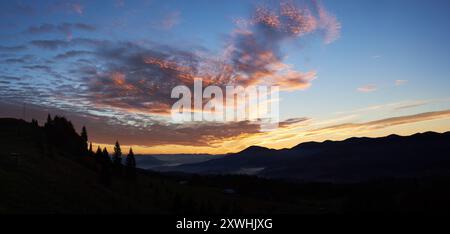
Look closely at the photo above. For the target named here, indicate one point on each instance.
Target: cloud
(137, 78)
(104, 130)
(12, 48)
(367, 88)
(124, 88)
(49, 44)
(204, 134)
(56, 44)
(255, 50)
(292, 121)
(63, 27)
(328, 23)
(10, 78)
(73, 53)
(140, 77)
(376, 56)
(383, 123)
(412, 105)
(66, 29)
(400, 82)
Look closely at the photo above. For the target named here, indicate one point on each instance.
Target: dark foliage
(61, 135)
(84, 136)
(130, 165)
(117, 159)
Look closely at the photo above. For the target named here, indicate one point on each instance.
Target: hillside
(43, 175)
(39, 176)
(351, 160)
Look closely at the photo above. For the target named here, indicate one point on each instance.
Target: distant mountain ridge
(152, 161)
(350, 160)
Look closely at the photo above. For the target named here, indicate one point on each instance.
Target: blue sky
(389, 59)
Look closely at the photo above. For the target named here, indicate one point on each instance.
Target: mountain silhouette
(351, 160)
(47, 169)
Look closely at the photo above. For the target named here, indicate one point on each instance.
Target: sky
(347, 68)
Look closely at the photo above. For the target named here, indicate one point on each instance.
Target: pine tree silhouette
(34, 123)
(105, 156)
(130, 160)
(130, 163)
(49, 122)
(91, 153)
(105, 171)
(84, 136)
(98, 154)
(61, 135)
(117, 158)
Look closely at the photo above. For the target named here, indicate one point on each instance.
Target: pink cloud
(329, 24)
(367, 88)
(400, 82)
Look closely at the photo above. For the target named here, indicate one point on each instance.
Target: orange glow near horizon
(289, 137)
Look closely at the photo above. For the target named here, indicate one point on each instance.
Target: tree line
(60, 134)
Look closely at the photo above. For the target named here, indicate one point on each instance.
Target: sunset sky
(346, 68)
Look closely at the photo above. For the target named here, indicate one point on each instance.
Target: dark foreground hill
(351, 160)
(43, 171)
(46, 170)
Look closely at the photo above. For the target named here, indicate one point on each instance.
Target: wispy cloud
(12, 48)
(292, 121)
(73, 53)
(400, 82)
(329, 24)
(62, 27)
(384, 123)
(376, 56)
(65, 28)
(55, 44)
(254, 50)
(367, 88)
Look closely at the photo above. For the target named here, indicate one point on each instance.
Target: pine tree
(84, 135)
(131, 164)
(34, 123)
(49, 122)
(90, 149)
(117, 157)
(105, 155)
(105, 171)
(130, 160)
(49, 118)
(98, 155)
